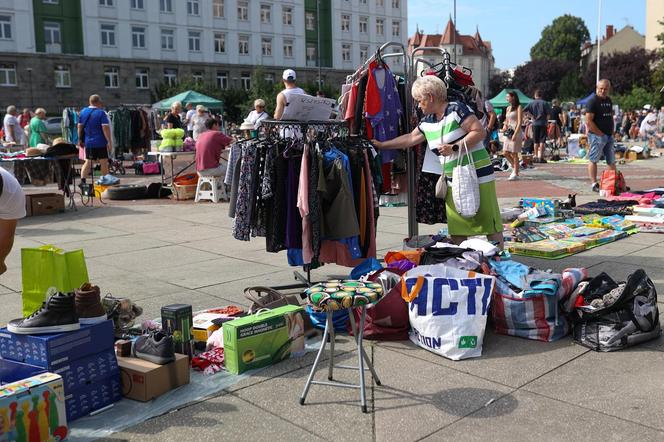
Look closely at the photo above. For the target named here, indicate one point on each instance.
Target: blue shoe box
(56, 348)
(83, 400)
(11, 371)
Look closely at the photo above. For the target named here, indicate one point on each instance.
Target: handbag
(465, 186)
(509, 133)
(266, 297)
(441, 185)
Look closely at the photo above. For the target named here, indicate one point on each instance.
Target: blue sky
(514, 26)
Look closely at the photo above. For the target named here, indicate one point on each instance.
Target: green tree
(571, 87)
(260, 88)
(561, 40)
(637, 98)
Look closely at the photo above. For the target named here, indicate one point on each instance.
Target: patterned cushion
(337, 295)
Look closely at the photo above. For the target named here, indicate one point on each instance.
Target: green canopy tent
(500, 101)
(193, 97)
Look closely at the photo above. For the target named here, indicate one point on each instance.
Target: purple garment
(385, 122)
(293, 218)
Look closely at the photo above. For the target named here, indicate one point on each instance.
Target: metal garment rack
(290, 129)
(411, 160)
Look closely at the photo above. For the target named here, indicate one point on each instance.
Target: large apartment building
(55, 53)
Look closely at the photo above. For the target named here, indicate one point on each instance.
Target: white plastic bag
(465, 186)
(447, 309)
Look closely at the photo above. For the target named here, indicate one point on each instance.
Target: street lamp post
(599, 30)
(454, 35)
(320, 86)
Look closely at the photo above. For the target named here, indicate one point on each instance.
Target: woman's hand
(445, 149)
(377, 144)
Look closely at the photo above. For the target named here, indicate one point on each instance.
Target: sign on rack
(302, 107)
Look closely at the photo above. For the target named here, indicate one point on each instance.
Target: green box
(176, 320)
(263, 339)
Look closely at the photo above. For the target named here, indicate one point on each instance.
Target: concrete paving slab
(503, 358)
(135, 286)
(418, 398)
(65, 232)
(619, 271)
(148, 223)
(119, 245)
(193, 232)
(625, 384)
(210, 272)
(647, 238)
(12, 306)
(148, 260)
(519, 417)
(336, 405)
(11, 279)
(392, 241)
(652, 256)
(234, 290)
(227, 417)
(224, 244)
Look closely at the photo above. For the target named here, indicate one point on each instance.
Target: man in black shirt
(599, 120)
(540, 110)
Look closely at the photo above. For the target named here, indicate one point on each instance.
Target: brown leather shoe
(88, 304)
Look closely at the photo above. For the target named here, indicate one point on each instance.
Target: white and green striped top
(449, 131)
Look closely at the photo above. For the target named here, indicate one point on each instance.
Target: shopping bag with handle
(447, 309)
(48, 266)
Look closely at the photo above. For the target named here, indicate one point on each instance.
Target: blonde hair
(429, 85)
(175, 105)
(259, 102)
(40, 110)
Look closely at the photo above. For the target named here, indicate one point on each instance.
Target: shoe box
(85, 359)
(143, 380)
(33, 409)
(44, 204)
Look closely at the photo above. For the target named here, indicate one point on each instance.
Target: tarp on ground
(193, 97)
(500, 100)
(584, 101)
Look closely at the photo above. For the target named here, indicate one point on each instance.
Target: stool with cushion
(216, 191)
(336, 295)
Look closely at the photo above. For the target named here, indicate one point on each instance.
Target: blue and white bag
(448, 309)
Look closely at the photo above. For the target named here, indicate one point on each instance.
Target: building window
(197, 76)
(108, 35)
(166, 5)
(142, 78)
(269, 77)
(288, 48)
(222, 80)
(396, 4)
(52, 33)
(363, 2)
(345, 52)
(137, 4)
(192, 7)
(62, 77)
(138, 37)
(364, 52)
(345, 22)
(266, 14)
(219, 43)
(167, 39)
(108, 3)
(5, 27)
(364, 24)
(287, 15)
(245, 81)
(380, 3)
(380, 26)
(396, 28)
(311, 54)
(50, 2)
(7, 75)
(243, 10)
(266, 46)
(218, 8)
(310, 21)
(243, 45)
(111, 77)
(194, 41)
(170, 76)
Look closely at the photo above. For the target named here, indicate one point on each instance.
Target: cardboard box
(204, 325)
(94, 396)
(44, 204)
(56, 348)
(176, 320)
(263, 339)
(144, 381)
(87, 370)
(42, 398)
(11, 371)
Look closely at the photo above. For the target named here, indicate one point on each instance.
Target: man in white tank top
(289, 78)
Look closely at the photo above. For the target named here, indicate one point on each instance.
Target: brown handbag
(266, 297)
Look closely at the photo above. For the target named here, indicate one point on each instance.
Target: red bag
(388, 320)
(613, 182)
(151, 169)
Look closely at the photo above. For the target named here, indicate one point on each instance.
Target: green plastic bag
(46, 267)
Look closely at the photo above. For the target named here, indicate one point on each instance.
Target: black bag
(509, 133)
(632, 317)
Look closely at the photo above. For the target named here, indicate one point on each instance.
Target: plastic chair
(216, 191)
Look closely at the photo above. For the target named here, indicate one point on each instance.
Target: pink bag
(151, 169)
(81, 153)
(388, 320)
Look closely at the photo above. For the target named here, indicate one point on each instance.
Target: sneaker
(108, 180)
(156, 347)
(595, 187)
(88, 304)
(57, 314)
(513, 177)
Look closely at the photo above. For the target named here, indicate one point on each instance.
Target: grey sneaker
(156, 347)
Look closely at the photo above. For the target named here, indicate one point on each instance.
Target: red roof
(471, 44)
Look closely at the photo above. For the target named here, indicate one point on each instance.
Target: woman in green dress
(447, 124)
(37, 128)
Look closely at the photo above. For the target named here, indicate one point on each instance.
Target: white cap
(289, 74)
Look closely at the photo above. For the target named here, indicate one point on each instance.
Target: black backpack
(631, 317)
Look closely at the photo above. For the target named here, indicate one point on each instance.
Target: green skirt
(487, 220)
